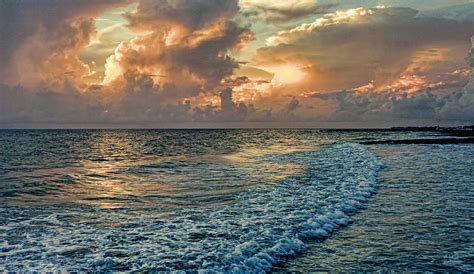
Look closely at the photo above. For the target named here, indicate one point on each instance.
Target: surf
(264, 225)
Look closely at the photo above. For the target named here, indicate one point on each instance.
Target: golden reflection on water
(111, 187)
(277, 170)
(105, 182)
(114, 173)
(113, 184)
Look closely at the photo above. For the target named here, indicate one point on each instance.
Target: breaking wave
(262, 226)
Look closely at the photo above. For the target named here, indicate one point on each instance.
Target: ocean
(236, 200)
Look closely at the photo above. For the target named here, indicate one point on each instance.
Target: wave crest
(264, 225)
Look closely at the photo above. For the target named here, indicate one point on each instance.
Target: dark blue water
(232, 200)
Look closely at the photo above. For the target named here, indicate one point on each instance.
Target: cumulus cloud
(182, 51)
(41, 40)
(186, 41)
(386, 65)
(351, 48)
(425, 107)
(282, 11)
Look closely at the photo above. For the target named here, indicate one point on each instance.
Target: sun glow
(286, 74)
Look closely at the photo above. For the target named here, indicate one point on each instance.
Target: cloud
(462, 12)
(351, 48)
(397, 106)
(182, 52)
(391, 65)
(230, 111)
(190, 14)
(187, 41)
(142, 104)
(41, 40)
(282, 11)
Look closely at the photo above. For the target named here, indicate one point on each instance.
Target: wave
(265, 225)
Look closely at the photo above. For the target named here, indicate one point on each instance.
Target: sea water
(233, 200)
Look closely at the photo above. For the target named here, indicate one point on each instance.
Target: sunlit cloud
(186, 61)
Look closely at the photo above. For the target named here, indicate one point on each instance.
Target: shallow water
(422, 218)
(242, 200)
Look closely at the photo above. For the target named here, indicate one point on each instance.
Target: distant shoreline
(439, 141)
(462, 135)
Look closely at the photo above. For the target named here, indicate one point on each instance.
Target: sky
(236, 63)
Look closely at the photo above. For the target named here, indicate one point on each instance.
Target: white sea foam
(251, 235)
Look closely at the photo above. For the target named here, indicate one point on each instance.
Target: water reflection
(184, 199)
(130, 169)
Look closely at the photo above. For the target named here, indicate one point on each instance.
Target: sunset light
(236, 136)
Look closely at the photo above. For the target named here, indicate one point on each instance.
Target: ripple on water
(420, 220)
(253, 232)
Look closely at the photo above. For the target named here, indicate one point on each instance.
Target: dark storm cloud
(284, 11)
(191, 14)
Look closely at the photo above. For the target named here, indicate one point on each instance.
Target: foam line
(251, 235)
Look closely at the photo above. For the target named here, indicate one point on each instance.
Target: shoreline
(435, 141)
